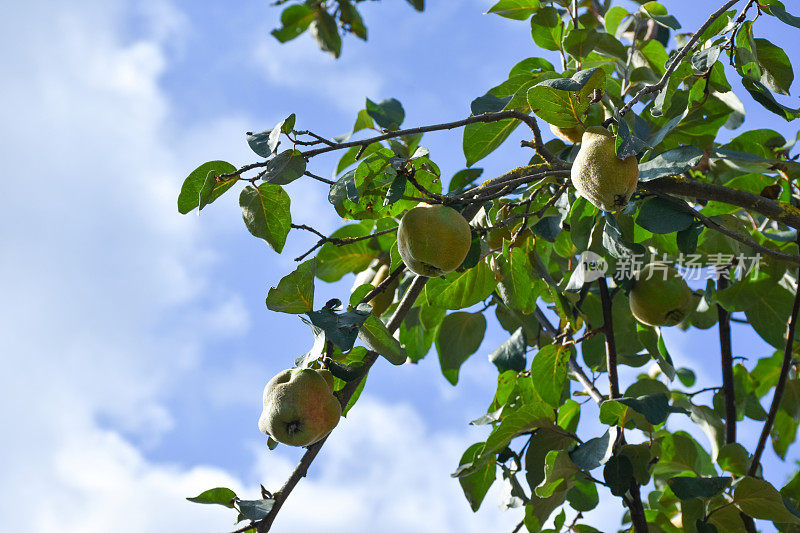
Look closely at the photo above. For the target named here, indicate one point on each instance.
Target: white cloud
(301, 66)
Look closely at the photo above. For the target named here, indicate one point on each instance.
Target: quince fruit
(299, 407)
(661, 297)
(433, 240)
(599, 175)
(570, 135)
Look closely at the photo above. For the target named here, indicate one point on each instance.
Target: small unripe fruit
(659, 299)
(433, 240)
(299, 407)
(599, 175)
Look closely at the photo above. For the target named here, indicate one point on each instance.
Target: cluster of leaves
(327, 20)
(527, 239)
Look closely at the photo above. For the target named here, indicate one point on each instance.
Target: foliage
(666, 96)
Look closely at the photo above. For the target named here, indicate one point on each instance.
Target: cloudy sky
(135, 341)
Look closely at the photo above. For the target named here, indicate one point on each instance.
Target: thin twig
(383, 284)
(676, 60)
(336, 241)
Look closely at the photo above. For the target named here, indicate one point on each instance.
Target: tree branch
(779, 211)
(677, 59)
(485, 117)
(726, 352)
(344, 396)
(780, 386)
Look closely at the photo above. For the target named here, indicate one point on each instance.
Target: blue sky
(136, 341)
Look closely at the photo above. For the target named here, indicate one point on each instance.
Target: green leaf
(419, 5)
(652, 340)
(776, 69)
(705, 59)
(760, 499)
(560, 474)
(658, 12)
(547, 29)
(460, 336)
(374, 334)
(618, 474)
(189, 197)
(662, 102)
(659, 215)
(255, 509)
(627, 144)
(734, 458)
(511, 354)
(326, 32)
(583, 496)
(613, 17)
(388, 114)
(294, 20)
(654, 407)
(476, 485)
(266, 142)
(783, 16)
(563, 102)
(334, 261)
(766, 305)
(462, 178)
(266, 214)
(515, 9)
(580, 43)
(711, 424)
(458, 290)
(341, 328)
(550, 370)
(762, 95)
(295, 291)
(481, 139)
(687, 488)
(524, 419)
(670, 163)
(284, 168)
(219, 496)
(595, 452)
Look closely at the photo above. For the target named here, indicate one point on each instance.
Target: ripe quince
(433, 240)
(299, 407)
(660, 298)
(599, 175)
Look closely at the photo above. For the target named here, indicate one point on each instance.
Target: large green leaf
(547, 28)
(766, 305)
(388, 114)
(476, 484)
(511, 354)
(550, 370)
(220, 496)
(460, 336)
(458, 290)
(563, 102)
(295, 19)
(326, 32)
(515, 9)
(687, 488)
(377, 337)
(202, 180)
(265, 210)
(776, 69)
(760, 499)
(295, 291)
(334, 261)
